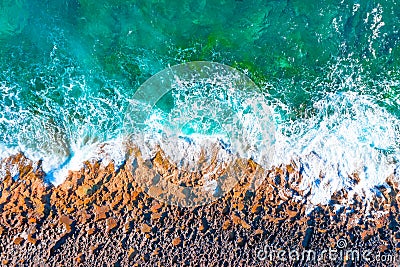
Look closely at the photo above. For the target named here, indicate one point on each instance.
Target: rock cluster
(100, 216)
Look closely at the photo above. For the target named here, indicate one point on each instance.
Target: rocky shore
(100, 216)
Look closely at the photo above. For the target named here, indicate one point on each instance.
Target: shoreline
(100, 214)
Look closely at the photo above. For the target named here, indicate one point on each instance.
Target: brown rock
(80, 258)
(366, 234)
(241, 241)
(156, 252)
(40, 209)
(17, 197)
(240, 206)
(84, 216)
(236, 219)
(18, 240)
(259, 232)
(127, 227)
(135, 195)
(156, 207)
(111, 224)
(32, 220)
(83, 191)
(291, 213)
(132, 253)
(381, 222)
(245, 225)
(67, 221)
(31, 239)
(94, 248)
(91, 231)
(146, 228)
(116, 201)
(256, 209)
(176, 241)
(155, 216)
(203, 226)
(70, 210)
(101, 212)
(226, 225)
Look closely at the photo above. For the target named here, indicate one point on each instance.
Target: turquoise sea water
(329, 71)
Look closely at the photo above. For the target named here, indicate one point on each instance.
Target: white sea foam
(348, 135)
(112, 151)
(57, 167)
(348, 143)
